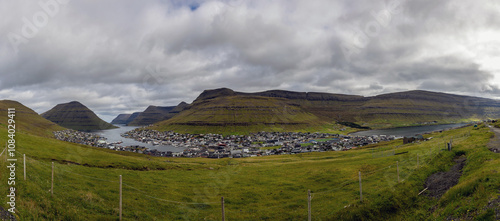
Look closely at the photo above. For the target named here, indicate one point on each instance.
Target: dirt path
(494, 144)
(438, 183)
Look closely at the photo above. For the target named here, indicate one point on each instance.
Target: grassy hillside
(229, 114)
(418, 107)
(263, 188)
(27, 120)
(224, 110)
(151, 115)
(77, 116)
(121, 119)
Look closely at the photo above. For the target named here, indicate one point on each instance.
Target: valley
(271, 187)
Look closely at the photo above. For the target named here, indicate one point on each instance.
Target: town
(231, 146)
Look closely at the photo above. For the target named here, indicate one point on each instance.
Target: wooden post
(52, 185)
(120, 197)
(24, 167)
(222, 206)
(360, 188)
(417, 161)
(309, 205)
(397, 167)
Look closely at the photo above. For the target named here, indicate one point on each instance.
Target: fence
(320, 202)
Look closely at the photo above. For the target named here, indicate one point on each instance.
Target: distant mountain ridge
(121, 119)
(224, 109)
(151, 115)
(74, 115)
(313, 96)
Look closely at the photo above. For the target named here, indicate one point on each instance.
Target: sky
(120, 56)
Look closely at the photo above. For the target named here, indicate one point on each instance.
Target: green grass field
(262, 188)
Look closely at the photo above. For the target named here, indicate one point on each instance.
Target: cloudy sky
(119, 56)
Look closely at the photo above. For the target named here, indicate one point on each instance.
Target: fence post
(120, 197)
(24, 162)
(52, 185)
(360, 188)
(309, 205)
(222, 206)
(397, 167)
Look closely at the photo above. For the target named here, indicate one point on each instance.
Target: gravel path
(494, 144)
(438, 183)
(5, 215)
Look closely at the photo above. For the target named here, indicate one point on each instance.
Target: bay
(407, 131)
(113, 135)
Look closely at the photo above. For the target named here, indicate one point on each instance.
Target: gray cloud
(121, 56)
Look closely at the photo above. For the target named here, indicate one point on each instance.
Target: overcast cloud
(119, 56)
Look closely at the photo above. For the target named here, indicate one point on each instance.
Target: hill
(225, 110)
(232, 113)
(257, 188)
(121, 119)
(151, 115)
(27, 120)
(77, 116)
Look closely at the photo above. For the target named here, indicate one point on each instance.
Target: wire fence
(323, 201)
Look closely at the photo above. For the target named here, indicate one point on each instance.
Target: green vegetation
(75, 115)
(264, 188)
(496, 124)
(229, 112)
(477, 187)
(243, 115)
(270, 148)
(30, 121)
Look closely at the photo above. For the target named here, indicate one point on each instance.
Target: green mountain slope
(77, 116)
(27, 120)
(151, 115)
(226, 110)
(121, 119)
(154, 114)
(421, 107)
(228, 114)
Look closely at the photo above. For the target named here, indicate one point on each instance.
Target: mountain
(225, 110)
(121, 119)
(151, 115)
(132, 117)
(27, 120)
(77, 116)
